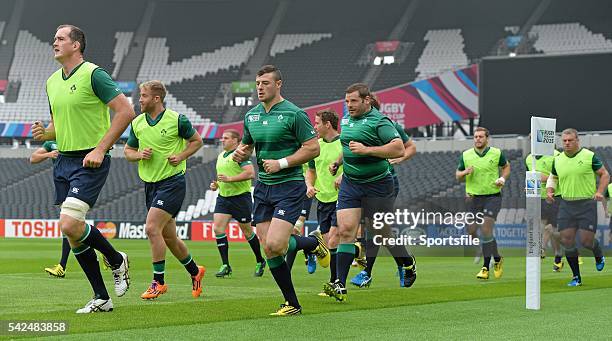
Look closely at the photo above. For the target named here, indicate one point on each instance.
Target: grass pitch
(447, 302)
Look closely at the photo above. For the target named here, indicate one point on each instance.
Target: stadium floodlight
(388, 60)
(377, 60)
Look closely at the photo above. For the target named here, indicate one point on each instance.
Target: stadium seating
(193, 57)
(319, 72)
(569, 38)
(33, 60)
(481, 26)
(443, 52)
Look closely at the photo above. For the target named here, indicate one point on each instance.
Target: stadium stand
(569, 38)
(33, 63)
(193, 57)
(480, 32)
(320, 72)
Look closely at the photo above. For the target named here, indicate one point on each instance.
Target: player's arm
(334, 166)
(462, 171)
(392, 147)
(505, 174)
(551, 183)
(245, 149)
(311, 178)
(391, 150)
(193, 144)
(131, 152)
(124, 114)
(41, 154)
(248, 173)
(308, 151)
(243, 152)
(409, 152)
(604, 180)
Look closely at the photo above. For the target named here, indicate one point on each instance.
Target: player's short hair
(328, 115)
(569, 131)
(76, 34)
(364, 91)
(235, 134)
(270, 69)
(157, 88)
(486, 131)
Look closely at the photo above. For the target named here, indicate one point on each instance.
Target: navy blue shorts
(306, 205)
(326, 216)
(167, 194)
(352, 194)
(71, 179)
(395, 186)
(238, 206)
(549, 212)
(581, 214)
(488, 205)
(282, 201)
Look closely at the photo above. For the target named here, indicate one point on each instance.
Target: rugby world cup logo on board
(545, 136)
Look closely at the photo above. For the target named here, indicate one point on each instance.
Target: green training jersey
(371, 129)
(166, 136)
(78, 106)
(229, 167)
(577, 178)
(330, 152)
(275, 135)
(544, 166)
(405, 138)
(486, 170)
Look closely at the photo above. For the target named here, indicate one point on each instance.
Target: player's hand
(469, 170)
(598, 196)
(214, 186)
(240, 154)
(358, 148)
(224, 178)
(296, 231)
(311, 191)
(550, 197)
(175, 159)
(38, 131)
(333, 168)
(146, 153)
(337, 182)
(93, 159)
(395, 161)
(53, 154)
(271, 166)
(500, 182)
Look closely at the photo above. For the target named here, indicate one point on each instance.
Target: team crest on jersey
(344, 121)
(253, 118)
(163, 132)
(280, 117)
(73, 88)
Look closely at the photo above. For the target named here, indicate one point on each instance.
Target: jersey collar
(578, 152)
(484, 152)
(64, 77)
(153, 122)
